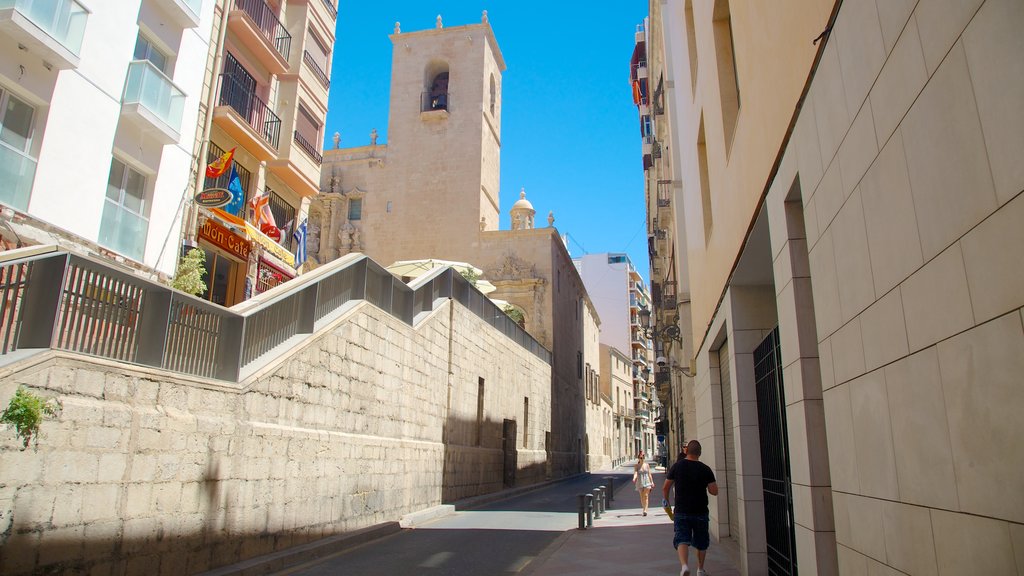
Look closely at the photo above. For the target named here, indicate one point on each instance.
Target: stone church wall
(148, 472)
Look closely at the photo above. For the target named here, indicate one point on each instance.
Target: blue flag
(237, 203)
(300, 243)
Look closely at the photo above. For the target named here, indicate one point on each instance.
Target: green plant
(515, 314)
(25, 413)
(470, 275)
(189, 276)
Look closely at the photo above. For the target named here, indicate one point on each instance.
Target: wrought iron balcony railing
(317, 70)
(268, 23)
(249, 106)
(308, 148)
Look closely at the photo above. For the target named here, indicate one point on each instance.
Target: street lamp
(670, 332)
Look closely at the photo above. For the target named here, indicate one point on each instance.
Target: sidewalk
(624, 541)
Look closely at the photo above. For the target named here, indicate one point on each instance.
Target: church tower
(444, 139)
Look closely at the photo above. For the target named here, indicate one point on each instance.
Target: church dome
(522, 203)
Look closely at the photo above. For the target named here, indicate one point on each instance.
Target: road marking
(436, 560)
(519, 564)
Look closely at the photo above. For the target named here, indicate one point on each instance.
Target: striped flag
(219, 166)
(261, 211)
(300, 243)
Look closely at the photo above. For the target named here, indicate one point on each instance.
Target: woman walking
(642, 480)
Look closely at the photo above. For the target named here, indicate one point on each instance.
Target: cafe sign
(213, 197)
(223, 238)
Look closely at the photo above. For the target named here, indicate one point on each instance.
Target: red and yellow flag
(219, 166)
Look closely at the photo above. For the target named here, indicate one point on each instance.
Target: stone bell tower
(444, 140)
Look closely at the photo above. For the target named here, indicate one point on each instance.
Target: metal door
(776, 481)
(729, 426)
(508, 448)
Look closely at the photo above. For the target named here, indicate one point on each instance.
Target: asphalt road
(499, 538)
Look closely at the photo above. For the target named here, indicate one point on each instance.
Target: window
(728, 81)
(236, 207)
(124, 224)
(145, 50)
(705, 188)
(307, 126)
(284, 216)
(355, 209)
(620, 259)
(526, 421)
(389, 206)
(318, 51)
(691, 41)
(494, 94)
(17, 167)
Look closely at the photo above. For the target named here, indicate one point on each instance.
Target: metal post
(597, 503)
(581, 510)
(604, 498)
(610, 482)
(589, 498)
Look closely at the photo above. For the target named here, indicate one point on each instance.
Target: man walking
(693, 481)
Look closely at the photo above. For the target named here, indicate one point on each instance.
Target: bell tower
(444, 139)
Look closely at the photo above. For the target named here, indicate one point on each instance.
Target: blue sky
(570, 133)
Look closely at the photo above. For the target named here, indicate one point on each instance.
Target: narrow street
(534, 534)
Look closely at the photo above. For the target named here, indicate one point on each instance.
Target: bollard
(596, 495)
(610, 482)
(604, 498)
(581, 510)
(589, 499)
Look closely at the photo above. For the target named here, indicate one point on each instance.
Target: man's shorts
(692, 530)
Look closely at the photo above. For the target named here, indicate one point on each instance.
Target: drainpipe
(189, 228)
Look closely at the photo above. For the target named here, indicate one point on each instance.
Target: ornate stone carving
(513, 268)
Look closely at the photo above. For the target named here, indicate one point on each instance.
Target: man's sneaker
(685, 571)
(701, 572)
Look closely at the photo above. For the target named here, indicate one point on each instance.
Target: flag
(300, 243)
(218, 167)
(261, 211)
(237, 194)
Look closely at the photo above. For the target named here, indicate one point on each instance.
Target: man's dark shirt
(691, 479)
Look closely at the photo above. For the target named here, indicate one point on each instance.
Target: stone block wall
(148, 472)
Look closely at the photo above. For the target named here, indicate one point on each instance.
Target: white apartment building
(99, 104)
(619, 295)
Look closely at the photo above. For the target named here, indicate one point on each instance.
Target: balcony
(247, 119)
(308, 148)
(17, 171)
(254, 23)
(152, 102)
(51, 29)
(316, 69)
(641, 68)
(299, 170)
(184, 13)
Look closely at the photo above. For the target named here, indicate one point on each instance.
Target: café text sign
(223, 238)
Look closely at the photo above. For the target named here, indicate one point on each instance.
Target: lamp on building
(670, 332)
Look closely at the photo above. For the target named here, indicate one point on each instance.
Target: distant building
(432, 192)
(100, 103)
(618, 292)
(835, 213)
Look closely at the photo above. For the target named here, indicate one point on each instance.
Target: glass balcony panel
(195, 6)
(123, 230)
(148, 86)
(17, 171)
(63, 20)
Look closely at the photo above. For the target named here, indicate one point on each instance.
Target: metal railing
(148, 86)
(307, 57)
(308, 148)
(331, 8)
(250, 107)
(268, 23)
(74, 303)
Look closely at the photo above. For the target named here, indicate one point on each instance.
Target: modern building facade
(100, 103)
(267, 83)
(846, 206)
(619, 295)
